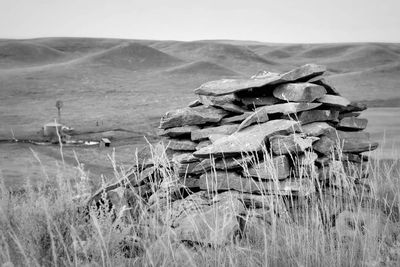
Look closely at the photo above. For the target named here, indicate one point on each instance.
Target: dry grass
(50, 225)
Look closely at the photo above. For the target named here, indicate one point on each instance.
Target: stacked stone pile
(270, 134)
(256, 142)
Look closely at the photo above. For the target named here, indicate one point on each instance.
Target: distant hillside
(130, 83)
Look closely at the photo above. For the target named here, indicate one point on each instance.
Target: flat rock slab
(194, 103)
(178, 131)
(205, 133)
(184, 157)
(326, 84)
(181, 145)
(299, 92)
(262, 114)
(228, 86)
(235, 119)
(203, 143)
(221, 164)
(290, 144)
(347, 142)
(259, 101)
(207, 221)
(352, 123)
(316, 128)
(318, 115)
(334, 100)
(226, 102)
(249, 140)
(276, 168)
(221, 181)
(192, 116)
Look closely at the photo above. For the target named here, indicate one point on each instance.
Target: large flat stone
(204, 133)
(228, 86)
(352, 123)
(226, 102)
(182, 145)
(299, 92)
(318, 115)
(192, 116)
(221, 164)
(262, 114)
(235, 119)
(347, 142)
(204, 220)
(326, 84)
(334, 100)
(257, 101)
(276, 168)
(249, 140)
(221, 181)
(290, 144)
(178, 131)
(316, 128)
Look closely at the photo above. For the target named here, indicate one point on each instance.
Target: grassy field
(109, 84)
(120, 88)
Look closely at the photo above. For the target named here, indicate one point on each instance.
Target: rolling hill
(130, 83)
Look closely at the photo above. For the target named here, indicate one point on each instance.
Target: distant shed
(51, 129)
(105, 142)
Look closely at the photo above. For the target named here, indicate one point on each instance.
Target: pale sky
(261, 20)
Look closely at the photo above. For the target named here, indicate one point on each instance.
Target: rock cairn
(255, 141)
(270, 134)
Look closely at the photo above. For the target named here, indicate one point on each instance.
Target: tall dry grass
(50, 225)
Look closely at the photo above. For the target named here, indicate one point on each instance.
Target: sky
(279, 21)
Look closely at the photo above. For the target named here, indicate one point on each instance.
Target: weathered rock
(248, 140)
(228, 86)
(355, 107)
(358, 145)
(220, 181)
(347, 142)
(221, 164)
(178, 131)
(184, 158)
(190, 182)
(352, 123)
(318, 115)
(192, 116)
(184, 169)
(203, 143)
(261, 114)
(326, 84)
(303, 73)
(324, 145)
(334, 100)
(316, 128)
(257, 101)
(348, 114)
(307, 159)
(291, 144)
(182, 145)
(226, 102)
(205, 133)
(194, 103)
(207, 221)
(276, 168)
(215, 137)
(238, 118)
(299, 92)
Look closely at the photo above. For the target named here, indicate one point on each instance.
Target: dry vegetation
(50, 225)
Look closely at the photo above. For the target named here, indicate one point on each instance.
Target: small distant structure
(105, 142)
(50, 129)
